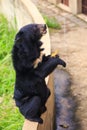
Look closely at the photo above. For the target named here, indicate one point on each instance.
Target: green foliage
(6, 37)
(52, 22)
(10, 118)
(6, 70)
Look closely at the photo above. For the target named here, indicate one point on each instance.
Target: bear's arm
(48, 66)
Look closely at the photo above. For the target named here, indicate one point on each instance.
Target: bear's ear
(19, 36)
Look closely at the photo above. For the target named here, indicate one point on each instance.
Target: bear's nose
(42, 26)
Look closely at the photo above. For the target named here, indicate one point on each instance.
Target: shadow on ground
(66, 104)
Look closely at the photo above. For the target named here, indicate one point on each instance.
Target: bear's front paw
(61, 62)
(64, 64)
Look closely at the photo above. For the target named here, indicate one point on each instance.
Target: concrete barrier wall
(20, 13)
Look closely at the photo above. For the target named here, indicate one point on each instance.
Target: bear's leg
(43, 108)
(47, 95)
(31, 109)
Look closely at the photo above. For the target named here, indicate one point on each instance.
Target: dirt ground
(72, 48)
(71, 42)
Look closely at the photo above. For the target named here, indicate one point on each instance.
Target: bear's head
(27, 45)
(31, 33)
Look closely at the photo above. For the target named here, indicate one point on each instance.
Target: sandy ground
(72, 48)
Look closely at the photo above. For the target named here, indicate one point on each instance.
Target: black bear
(31, 91)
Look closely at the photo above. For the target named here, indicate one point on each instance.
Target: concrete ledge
(20, 13)
(64, 7)
(83, 17)
(28, 125)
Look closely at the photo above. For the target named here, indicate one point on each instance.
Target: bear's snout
(43, 28)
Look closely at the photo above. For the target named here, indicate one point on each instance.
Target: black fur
(31, 91)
